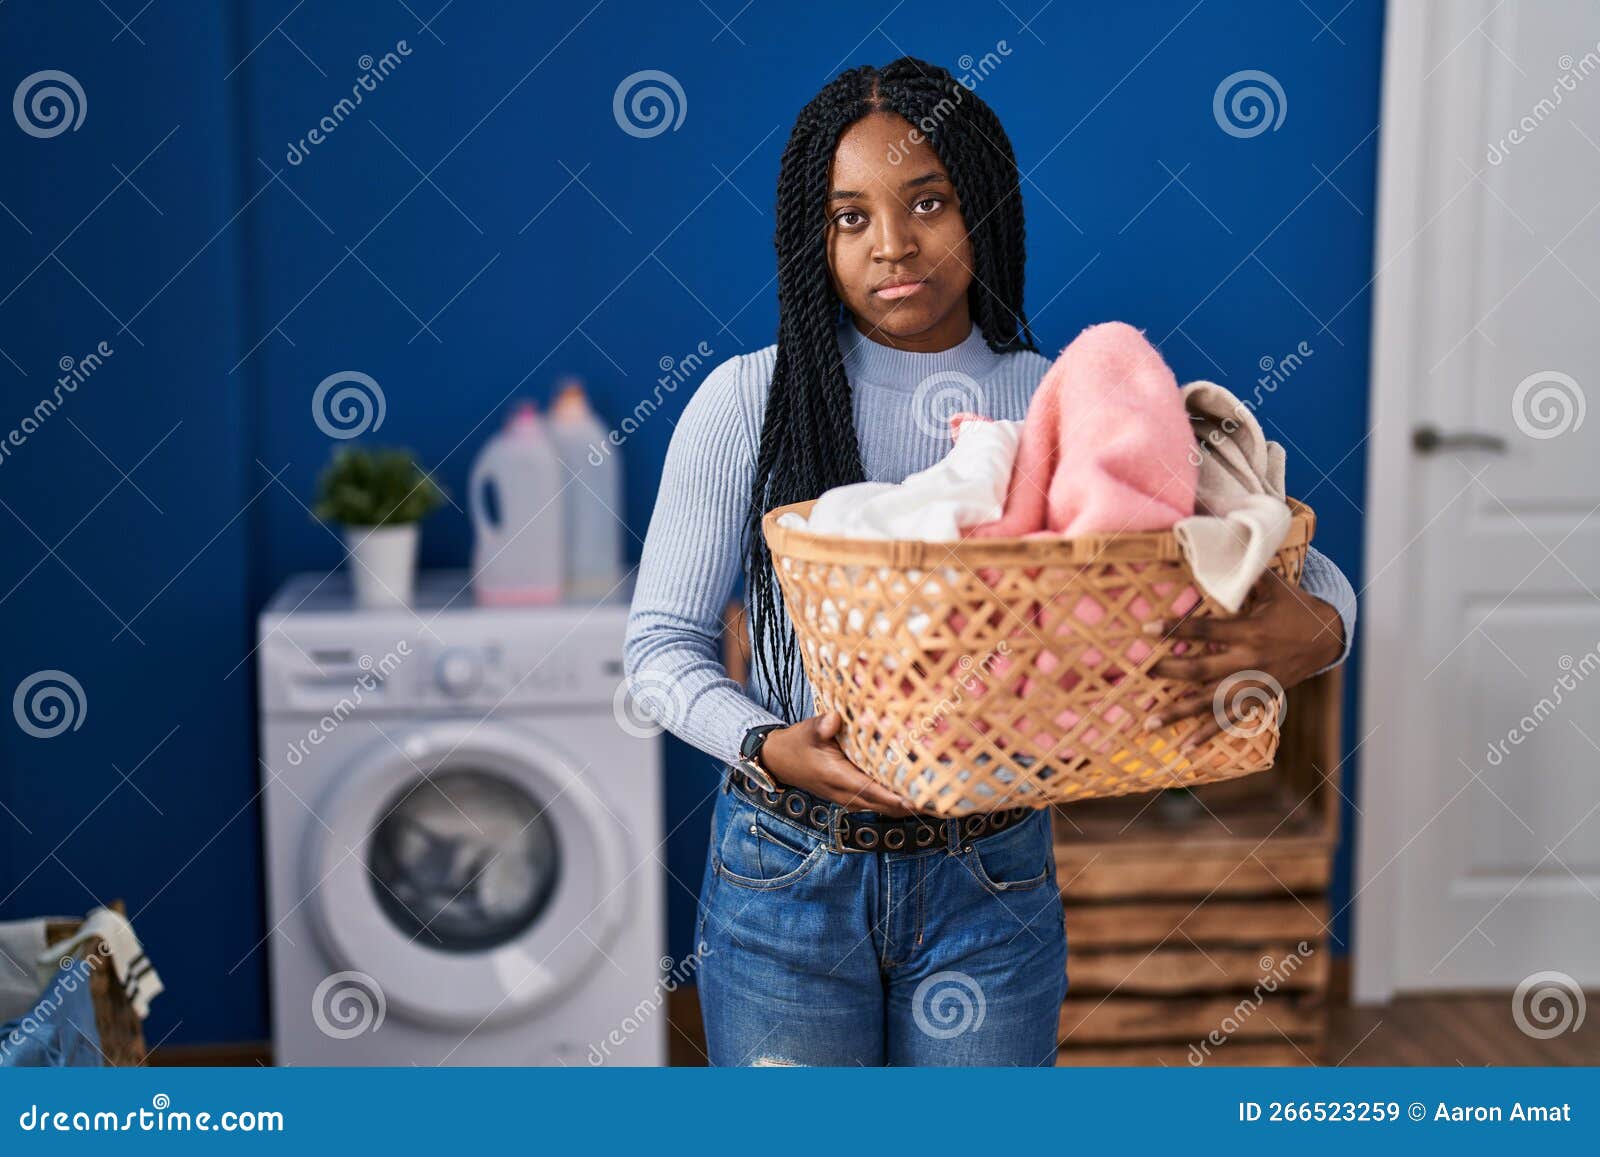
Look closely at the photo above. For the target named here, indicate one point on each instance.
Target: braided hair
(808, 438)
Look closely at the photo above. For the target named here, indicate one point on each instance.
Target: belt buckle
(835, 838)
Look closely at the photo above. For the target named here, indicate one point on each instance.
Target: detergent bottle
(514, 497)
(593, 471)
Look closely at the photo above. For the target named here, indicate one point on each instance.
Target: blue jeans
(951, 955)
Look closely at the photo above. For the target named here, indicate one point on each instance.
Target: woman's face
(897, 243)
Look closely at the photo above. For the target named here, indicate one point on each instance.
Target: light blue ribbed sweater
(693, 550)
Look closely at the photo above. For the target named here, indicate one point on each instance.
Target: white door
(1479, 843)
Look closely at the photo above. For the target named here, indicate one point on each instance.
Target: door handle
(1429, 440)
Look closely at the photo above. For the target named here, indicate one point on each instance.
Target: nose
(894, 242)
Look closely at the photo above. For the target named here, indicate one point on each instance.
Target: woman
(900, 262)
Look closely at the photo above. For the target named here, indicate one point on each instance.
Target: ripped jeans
(951, 955)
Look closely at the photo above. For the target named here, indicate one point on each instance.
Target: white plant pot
(382, 563)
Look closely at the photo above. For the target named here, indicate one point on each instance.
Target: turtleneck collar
(866, 360)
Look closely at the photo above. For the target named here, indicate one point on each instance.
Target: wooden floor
(1455, 1030)
(1431, 1030)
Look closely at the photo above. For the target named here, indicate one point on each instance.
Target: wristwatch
(750, 755)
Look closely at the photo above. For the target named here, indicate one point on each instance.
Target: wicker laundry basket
(121, 1030)
(991, 673)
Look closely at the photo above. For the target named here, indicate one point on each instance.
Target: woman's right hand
(806, 755)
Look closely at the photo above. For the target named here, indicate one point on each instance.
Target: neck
(867, 360)
(948, 333)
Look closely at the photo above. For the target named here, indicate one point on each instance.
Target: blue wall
(486, 190)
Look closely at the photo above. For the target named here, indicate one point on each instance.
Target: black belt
(846, 833)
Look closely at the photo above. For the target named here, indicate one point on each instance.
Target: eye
(849, 219)
(935, 202)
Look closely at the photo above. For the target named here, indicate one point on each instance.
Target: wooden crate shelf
(1183, 969)
(1180, 929)
(1245, 921)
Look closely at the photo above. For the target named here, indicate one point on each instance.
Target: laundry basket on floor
(121, 1030)
(991, 673)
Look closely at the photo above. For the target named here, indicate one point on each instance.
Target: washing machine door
(469, 870)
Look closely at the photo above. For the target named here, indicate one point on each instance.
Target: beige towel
(1242, 517)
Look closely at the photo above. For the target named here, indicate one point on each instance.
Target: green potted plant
(378, 496)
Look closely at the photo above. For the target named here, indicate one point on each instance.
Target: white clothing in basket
(964, 488)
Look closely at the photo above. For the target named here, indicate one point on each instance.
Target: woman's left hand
(1280, 637)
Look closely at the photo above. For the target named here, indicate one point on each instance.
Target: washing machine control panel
(458, 671)
(522, 673)
(563, 657)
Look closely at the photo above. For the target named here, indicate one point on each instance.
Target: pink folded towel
(1106, 445)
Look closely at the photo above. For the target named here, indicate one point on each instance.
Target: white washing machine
(462, 833)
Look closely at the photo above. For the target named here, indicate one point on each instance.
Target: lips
(899, 287)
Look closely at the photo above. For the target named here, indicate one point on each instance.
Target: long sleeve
(1323, 579)
(693, 553)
